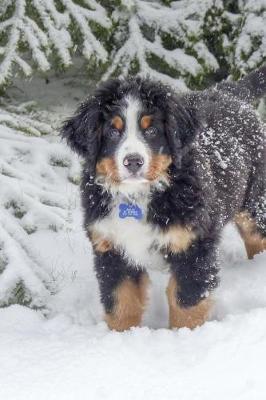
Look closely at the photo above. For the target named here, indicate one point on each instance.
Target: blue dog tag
(130, 210)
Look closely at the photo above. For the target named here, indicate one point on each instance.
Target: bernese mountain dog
(163, 173)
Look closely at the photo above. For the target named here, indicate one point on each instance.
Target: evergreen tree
(250, 39)
(45, 33)
(164, 42)
(30, 200)
(183, 42)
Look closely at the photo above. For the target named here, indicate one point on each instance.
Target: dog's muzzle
(133, 163)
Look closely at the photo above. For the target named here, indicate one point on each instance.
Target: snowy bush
(24, 118)
(250, 43)
(50, 31)
(33, 176)
(164, 42)
(185, 42)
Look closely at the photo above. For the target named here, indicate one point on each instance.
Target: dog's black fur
(215, 140)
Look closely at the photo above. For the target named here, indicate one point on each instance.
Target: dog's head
(131, 130)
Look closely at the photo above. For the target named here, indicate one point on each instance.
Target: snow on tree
(24, 118)
(47, 32)
(183, 42)
(31, 198)
(163, 42)
(250, 43)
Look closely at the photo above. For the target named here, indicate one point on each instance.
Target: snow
(251, 44)
(181, 21)
(168, 40)
(32, 196)
(45, 30)
(65, 350)
(72, 355)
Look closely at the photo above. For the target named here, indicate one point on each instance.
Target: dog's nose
(133, 162)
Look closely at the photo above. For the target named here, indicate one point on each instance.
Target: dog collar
(127, 210)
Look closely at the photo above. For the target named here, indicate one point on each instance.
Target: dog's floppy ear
(181, 124)
(83, 131)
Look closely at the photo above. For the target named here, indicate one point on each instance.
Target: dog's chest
(139, 240)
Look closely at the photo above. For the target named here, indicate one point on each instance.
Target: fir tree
(250, 39)
(183, 42)
(161, 41)
(30, 200)
(48, 32)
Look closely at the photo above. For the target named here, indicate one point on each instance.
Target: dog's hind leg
(251, 221)
(254, 238)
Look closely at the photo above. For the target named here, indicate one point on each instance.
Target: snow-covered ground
(71, 355)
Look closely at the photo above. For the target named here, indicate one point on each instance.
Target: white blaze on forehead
(132, 111)
(131, 115)
(133, 141)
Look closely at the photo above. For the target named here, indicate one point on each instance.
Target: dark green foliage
(220, 25)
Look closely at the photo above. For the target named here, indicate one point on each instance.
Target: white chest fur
(139, 240)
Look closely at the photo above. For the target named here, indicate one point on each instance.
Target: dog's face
(130, 131)
(134, 146)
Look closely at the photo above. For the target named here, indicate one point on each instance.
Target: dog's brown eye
(145, 122)
(117, 123)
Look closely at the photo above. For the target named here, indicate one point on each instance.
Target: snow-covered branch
(182, 22)
(250, 46)
(22, 120)
(38, 28)
(184, 43)
(32, 198)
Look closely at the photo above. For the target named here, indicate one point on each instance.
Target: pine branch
(18, 26)
(55, 26)
(250, 43)
(23, 121)
(39, 28)
(138, 51)
(21, 268)
(31, 199)
(82, 17)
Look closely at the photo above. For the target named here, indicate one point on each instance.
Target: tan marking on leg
(254, 242)
(130, 300)
(158, 166)
(189, 317)
(99, 243)
(178, 238)
(107, 168)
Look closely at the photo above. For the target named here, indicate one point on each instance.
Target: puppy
(163, 173)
